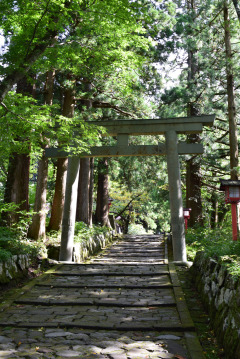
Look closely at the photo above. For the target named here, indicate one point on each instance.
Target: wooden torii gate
(122, 129)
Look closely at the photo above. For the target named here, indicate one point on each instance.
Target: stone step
(108, 274)
(121, 307)
(110, 254)
(129, 260)
(98, 281)
(111, 269)
(109, 296)
(94, 316)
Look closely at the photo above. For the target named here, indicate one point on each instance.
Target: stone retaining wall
(16, 265)
(85, 249)
(13, 267)
(220, 293)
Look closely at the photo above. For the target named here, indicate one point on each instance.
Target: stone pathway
(126, 303)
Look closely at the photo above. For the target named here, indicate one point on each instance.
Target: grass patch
(217, 244)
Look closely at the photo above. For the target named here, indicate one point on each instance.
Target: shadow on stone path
(126, 303)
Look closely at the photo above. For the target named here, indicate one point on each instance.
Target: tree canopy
(122, 59)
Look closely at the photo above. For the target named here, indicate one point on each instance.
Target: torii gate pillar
(175, 194)
(69, 212)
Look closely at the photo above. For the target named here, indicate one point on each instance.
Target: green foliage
(4, 254)
(135, 228)
(141, 183)
(83, 232)
(217, 244)
(20, 228)
(53, 238)
(12, 244)
(23, 122)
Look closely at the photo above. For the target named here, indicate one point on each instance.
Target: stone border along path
(126, 303)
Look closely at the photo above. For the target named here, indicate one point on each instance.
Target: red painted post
(185, 220)
(234, 221)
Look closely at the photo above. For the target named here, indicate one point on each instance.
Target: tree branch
(36, 26)
(18, 73)
(237, 8)
(102, 104)
(126, 207)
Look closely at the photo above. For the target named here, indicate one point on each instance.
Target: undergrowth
(13, 242)
(83, 232)
(217, 244)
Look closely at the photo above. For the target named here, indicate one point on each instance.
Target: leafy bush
(12, 241)
(12, 244)
(53, 238)
(217, 244)
(135, 228)
(25, 218)
(83, 232)
(4, 255)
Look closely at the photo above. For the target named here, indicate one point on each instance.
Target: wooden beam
(141, 150)
(188, 125)
(122, 139)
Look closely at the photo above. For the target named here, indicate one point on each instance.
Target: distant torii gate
(169, 127)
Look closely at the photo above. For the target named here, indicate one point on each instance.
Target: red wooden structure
(186, 215)
(232, 195)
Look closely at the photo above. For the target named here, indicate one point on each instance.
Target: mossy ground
(200, 317)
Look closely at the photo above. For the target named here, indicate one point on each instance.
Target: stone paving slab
(130, 260)
(93, 316)
(152, 251)
(108, 296)
(141, 255)
(101, 268)
(60, 343)
(128, 307)
(111, 281)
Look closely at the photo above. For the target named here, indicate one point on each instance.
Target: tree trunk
(17, 184)
(17, 189)
(83, 191)
(193, 187)
(102, 193)
(48, 89)
(214, 210)
(60, 185)
(84, 176)
(37, 228)
(91, 188)
(233, 140)
(237, 8)
(69, 211)
(193, 165)
(59, 195)
(70, 203)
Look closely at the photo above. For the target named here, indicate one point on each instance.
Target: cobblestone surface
(126, 306)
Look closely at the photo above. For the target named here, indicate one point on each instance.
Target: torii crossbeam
(122, 129)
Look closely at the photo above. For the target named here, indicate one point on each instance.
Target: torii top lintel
(125, 128)
(188, 125)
